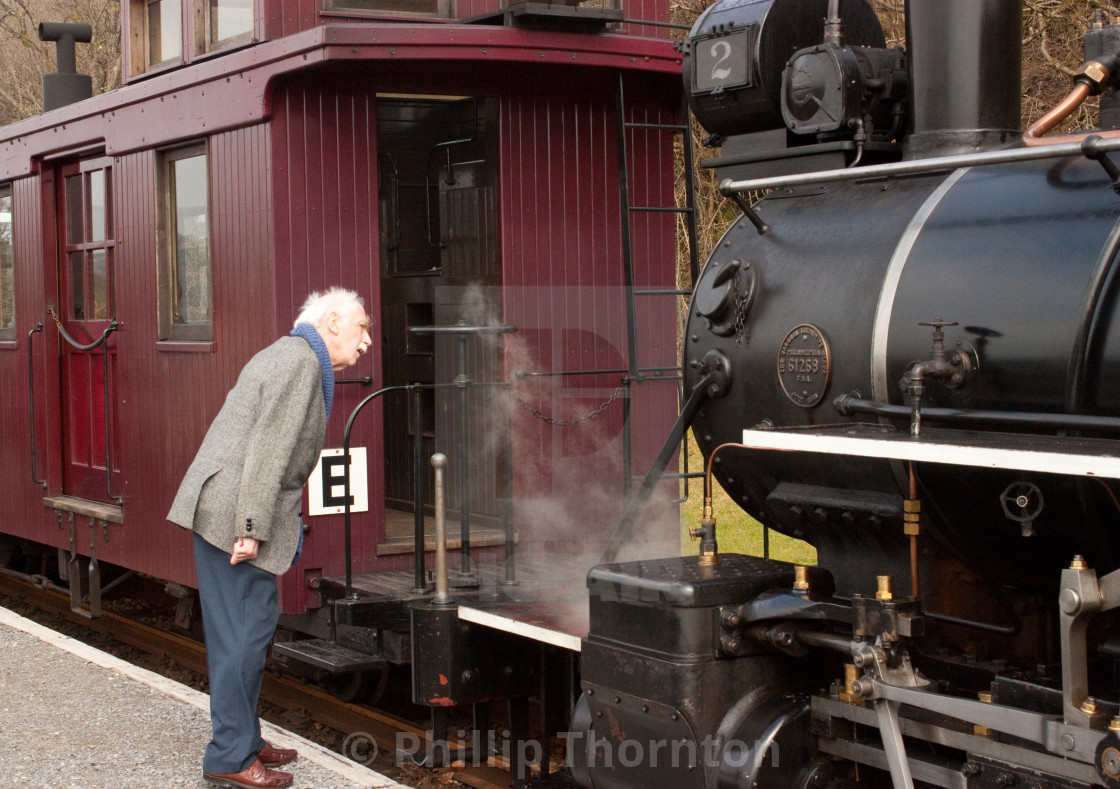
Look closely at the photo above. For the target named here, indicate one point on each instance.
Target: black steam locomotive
(907, 352)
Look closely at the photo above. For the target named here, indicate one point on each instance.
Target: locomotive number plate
(804, 365)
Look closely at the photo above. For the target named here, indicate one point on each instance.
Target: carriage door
(437, 179)
(86, 308)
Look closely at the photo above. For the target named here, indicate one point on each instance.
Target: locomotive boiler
(906, 351)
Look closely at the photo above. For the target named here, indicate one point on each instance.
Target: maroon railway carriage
(449, 169)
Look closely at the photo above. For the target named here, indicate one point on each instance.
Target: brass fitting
(800, 579)
(1114, 724)
(983, 731)
(884, 592)
(1078, 563)
(1089, 706)
(1095, 75)
(706, 519)
(911, 516)
(707, 535)
(851, 674)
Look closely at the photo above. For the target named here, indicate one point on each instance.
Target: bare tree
(24, 58)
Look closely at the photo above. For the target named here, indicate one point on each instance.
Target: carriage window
(222, 23)
(439, 8)
(87, 193)
(7, 267)
(185, 277)
(165, 31)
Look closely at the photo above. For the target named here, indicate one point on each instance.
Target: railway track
(286, 693)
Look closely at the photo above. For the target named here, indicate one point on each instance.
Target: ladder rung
(663, 209)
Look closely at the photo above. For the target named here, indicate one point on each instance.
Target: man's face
(349, 328)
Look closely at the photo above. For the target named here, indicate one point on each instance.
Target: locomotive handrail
(659, 373)
(1091, 147)
(848, 405)
(700, 394)
(42, 483)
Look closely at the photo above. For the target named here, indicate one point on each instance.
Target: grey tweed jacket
(248, 476)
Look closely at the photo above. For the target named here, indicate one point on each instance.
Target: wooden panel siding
(563, 286)
(168, 397)
(325, 193)
(21, 500)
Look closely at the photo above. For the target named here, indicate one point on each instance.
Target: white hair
(318, 305)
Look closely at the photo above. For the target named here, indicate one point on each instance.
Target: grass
(736, 531)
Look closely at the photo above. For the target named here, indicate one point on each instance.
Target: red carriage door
(86, 245)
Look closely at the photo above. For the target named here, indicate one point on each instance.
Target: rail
(418, 488)
(463, 384)
(113, 326)
(42, 483)
(850, 405)
(346, 481)
(439, 243)
(461, 331)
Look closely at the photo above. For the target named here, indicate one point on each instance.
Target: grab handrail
(42, 483)
(114, 324)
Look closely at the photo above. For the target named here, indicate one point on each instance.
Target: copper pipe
(711, 459)
(914, 590)
(1034, 135)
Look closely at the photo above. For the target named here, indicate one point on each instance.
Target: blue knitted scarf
(311, 334)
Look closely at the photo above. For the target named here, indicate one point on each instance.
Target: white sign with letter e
(326, 488)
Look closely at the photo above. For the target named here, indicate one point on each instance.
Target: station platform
(74, 716)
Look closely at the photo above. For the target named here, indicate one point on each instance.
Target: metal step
(327, 655)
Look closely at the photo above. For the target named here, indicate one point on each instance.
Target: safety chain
(112, 327)
(570, 422)
(740, 314)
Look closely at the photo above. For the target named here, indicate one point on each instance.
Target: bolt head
(1069, 601)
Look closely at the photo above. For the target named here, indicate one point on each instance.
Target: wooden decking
(399, 534)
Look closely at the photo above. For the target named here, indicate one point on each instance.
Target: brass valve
(706, 533)
(884, 591)
(800, 579)
(911, 517)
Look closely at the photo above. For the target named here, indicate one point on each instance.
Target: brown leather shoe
(255, 776)
(271, 756)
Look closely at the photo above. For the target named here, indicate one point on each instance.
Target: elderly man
(241, 496)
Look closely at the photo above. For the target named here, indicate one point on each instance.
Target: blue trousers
(240, 609)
